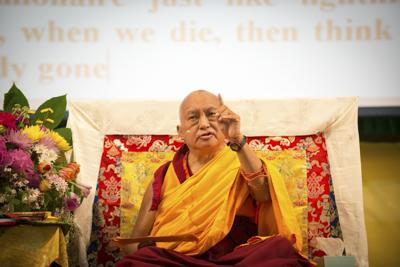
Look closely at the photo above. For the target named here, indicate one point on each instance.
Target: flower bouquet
(34, 172)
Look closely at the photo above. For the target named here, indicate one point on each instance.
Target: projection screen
(162, 49)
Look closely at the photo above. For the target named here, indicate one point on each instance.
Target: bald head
(199, 126)
(195, 97)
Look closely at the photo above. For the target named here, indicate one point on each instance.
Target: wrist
(236, 139)
(236, 144)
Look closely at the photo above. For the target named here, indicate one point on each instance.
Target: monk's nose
(204, 122)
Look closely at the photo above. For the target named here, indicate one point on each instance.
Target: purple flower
(48, 142)
(21, 162)
(19, 139)
(34, 180)
(5, 159)
(85, 189)
(72, 202)
(2, 143)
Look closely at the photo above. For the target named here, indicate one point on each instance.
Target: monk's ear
(178, 130)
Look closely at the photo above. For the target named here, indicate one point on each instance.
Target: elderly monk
(217, 190)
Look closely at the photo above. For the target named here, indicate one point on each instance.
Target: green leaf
(60, 162)
(12, 97)
(46, 200)
(66, 133)
(53, 110)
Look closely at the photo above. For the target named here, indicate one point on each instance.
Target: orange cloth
(206, 204)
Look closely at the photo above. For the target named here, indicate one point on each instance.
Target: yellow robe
(205, 205)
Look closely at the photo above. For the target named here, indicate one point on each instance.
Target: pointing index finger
(220, 100)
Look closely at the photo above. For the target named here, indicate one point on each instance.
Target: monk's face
(199, 127)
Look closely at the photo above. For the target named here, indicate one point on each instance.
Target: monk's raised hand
(230, 122)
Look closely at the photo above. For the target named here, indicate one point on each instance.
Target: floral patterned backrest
(128, 163)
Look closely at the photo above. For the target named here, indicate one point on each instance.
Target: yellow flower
(61, 143)
(44, 185)
(34, 132)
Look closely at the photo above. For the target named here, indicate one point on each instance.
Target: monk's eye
(193, 118)
(212, 115)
